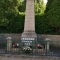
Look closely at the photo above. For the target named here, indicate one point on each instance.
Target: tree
(6, 7)
(39, 7)
(48, 5)
(22, 6)
(53, 16)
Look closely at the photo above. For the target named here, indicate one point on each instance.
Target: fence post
(47, 45)
(9, 43)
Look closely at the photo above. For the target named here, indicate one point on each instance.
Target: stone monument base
(29, 36)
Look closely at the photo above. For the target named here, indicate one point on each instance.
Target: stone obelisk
(29, 25)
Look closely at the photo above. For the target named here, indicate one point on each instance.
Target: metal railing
(37, 49)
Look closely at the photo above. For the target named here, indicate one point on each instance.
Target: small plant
(15, 45)
(27, 49)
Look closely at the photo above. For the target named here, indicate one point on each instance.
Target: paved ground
(28, 58)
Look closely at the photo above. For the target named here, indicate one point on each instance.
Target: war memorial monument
(29, 25)
(16, 42)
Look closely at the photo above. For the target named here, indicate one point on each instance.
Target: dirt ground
(28, 58)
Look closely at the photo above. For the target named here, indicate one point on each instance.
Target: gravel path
(28, 58)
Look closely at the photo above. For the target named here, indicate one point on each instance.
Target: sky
(45, 1)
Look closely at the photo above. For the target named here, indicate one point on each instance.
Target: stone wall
(3, 37)
(39, 37)
(51, 37)
(55, 39)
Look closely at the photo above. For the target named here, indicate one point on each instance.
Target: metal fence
(37, 48)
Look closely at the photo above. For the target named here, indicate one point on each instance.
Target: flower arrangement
(27, 49)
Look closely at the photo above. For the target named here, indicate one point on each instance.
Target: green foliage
(22, 6)
(15, 25)
(48, 5)
(39, 7)
(53, 16)
(6, 7)
(12, 16)
(9, 17)
(42, 26)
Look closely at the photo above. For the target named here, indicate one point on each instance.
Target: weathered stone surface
(29, 16)
(29, 26)
(29, 35)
